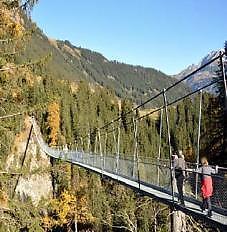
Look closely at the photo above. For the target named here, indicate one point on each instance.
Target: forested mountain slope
(67, 111)
(74, 63)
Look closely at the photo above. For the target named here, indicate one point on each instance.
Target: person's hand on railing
(187, 174)
(216, 169)
(188, 170)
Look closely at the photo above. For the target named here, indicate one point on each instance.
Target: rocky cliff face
(35, 181)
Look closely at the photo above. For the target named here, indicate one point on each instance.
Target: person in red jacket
(206, 185)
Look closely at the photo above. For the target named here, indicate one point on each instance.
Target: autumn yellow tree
(53, 121)
(67, 210)
(12, 34)
(11, 26)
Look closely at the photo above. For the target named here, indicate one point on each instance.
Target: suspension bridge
(149, 177)
(123, 171)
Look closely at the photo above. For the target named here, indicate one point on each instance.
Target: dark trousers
(180, 183)
(206, 204)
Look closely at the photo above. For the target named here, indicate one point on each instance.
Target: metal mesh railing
(149, 172)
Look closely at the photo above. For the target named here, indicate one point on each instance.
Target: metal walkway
(148, 178)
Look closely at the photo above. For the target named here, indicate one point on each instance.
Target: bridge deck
(190, 207)
(121, 170)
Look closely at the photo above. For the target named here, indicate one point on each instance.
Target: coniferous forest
(69, 110)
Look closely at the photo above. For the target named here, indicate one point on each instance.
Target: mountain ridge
(204, 76)
(80, 64)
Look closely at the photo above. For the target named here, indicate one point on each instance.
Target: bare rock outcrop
(35, 181)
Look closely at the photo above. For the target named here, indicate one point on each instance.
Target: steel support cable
(78, 159)
(82, 144)
(194, 92)
(160, 145)
(42, 145)
(95, 148)
(171, 171)
(167, 89)
(169, 142)
(132, 110)
(180, 99)
(44, 148)
(114, 138)
(106, 140)
(100, 151)
(135, 127)
(171, 103)
(118, 145)
(136, 152)
(100, 143)
(198, 140)
(76, 144)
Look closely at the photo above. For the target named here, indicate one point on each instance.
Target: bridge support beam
(198, 142)
(173, 218)
(118, 145)
(169, 141)
(135, 153)
(159, 147)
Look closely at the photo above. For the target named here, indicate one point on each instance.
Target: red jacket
(207, 187)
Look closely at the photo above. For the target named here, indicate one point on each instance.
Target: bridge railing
(154, 173)
(158, 173)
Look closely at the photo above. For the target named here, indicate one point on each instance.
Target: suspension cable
(162, 107)
(221, 54)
